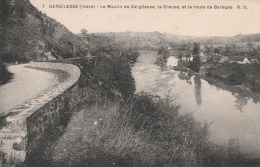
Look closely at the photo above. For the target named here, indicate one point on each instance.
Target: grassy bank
(145, 131)
(115, 127)
(142, 131)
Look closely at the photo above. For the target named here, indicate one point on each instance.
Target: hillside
(27, 34)
(5, 76)
(139, 40)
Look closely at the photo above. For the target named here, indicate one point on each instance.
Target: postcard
(129, 83)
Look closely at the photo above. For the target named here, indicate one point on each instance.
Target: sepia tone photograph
(129, 83)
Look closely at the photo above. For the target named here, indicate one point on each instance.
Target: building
(254, 61)
(224, 59)
(171, 61)
(245, 61)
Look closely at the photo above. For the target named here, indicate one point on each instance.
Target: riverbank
(242, 89)
(229, 114)
(222, 84)
(235, 89)
(244, 77)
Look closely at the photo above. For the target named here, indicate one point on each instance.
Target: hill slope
(28, 34)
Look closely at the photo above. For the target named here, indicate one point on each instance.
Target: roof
(254, 60)
(223, 59)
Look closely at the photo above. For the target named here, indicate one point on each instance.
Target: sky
(194, 22)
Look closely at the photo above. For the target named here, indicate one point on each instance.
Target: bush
(237, 77)
(144, 132)
(160, 61)
(5, 75)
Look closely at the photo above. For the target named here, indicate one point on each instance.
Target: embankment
(47, 122)
(28, 121)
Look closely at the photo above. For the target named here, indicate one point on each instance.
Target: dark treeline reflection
(197, 90)
(197, 85)
(240, 101)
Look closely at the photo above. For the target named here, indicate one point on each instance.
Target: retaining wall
(26, 124)
(49, 120)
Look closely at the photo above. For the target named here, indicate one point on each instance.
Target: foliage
(102, 45)
(195, 64)
(160, 61)
(111, 74)
(163, 54)
(5, 76)
(144, 132)
(236, 78)
(83, 31)
(23, 26)
(196, 49)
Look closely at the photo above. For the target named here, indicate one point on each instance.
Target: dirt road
(26, 84)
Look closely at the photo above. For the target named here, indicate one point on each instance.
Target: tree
(196, 48)
(249, 44)
(123, 77)
(207, 49)
(195, 66)
(216, 50)
(227, 48)
(4, 74)
(83, 31)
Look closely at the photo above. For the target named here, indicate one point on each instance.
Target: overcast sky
(216, 22)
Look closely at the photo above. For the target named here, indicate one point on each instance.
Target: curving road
(26, 84)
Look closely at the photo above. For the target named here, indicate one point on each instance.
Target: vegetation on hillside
(5, 76)
(237, 74)
(27, 34)
(110, 74)
(102, 45)
(143, 131)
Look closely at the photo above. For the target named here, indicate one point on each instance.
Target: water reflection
(185, 76)
(197, 90)
(210, 102)
(240, 101)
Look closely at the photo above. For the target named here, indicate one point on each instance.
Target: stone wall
(48, 122)
(29, 121)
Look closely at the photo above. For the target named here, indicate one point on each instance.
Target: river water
(230, 115)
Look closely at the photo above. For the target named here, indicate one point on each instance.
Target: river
(230, 115)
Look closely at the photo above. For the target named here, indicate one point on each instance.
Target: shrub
(237, 77)
(111, 74)
(5, 75)
(144, 131)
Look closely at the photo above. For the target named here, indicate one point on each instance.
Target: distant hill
(153, 40)
(240, 38)
(26, 34)
(138, 40)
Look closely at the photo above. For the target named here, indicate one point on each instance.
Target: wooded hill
(26, 34)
